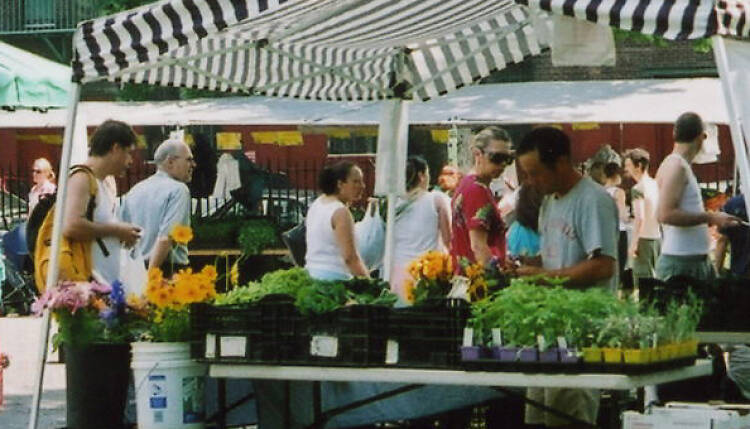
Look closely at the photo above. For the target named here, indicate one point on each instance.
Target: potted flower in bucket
(94, 329)
(169, 385)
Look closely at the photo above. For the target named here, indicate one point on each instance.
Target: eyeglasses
(500, 158)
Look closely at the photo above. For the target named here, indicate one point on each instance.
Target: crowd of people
(565, 223)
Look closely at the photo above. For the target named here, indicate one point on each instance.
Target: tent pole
(735, 121)
(390, 168)
(75, 95)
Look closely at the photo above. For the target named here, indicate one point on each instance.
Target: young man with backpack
(109, 155)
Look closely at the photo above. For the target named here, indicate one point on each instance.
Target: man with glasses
(478, 232)
(159, 203)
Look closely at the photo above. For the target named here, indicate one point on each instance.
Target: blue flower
(118, 295)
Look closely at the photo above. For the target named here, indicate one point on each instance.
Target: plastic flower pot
(673, 351)
(471, 353)
(505, 354)
(528, 354)
(569, 356)
(689, 348)
(551, 355)
(592, 354)
(612, 354)
(637, 356)
(659, 354)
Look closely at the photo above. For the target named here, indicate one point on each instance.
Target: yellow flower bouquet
(429, 277)
(165, 306)
(167, 302)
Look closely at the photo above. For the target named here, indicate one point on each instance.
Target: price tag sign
(232, 346)
(391, 352)
(324, 346)
(468, 337)
(497, 337)
(210, 346)
(541, 343)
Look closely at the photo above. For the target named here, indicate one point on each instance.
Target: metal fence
(280, 190)
(45, 16)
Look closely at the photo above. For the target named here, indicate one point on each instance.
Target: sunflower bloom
(210, 272)
(181, 234)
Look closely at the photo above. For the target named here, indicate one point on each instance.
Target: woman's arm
(343, 229)
(444, 220)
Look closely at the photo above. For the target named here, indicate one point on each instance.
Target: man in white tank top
(109, 155)
(685, 222)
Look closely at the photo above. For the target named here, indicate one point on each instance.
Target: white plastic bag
(369, 234)
(133, 274)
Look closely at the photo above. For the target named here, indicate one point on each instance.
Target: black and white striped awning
(318, 49)
(670, 19)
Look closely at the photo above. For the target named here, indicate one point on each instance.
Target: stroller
(18, 290)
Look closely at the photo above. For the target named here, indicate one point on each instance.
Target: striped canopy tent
(390, 50)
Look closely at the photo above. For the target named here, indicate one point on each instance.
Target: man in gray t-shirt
(578, 225)
(577, 220)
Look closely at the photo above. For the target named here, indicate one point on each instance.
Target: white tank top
(687, 240)
(415, 230)
(323, 252)
(612, 190)
(106, 212)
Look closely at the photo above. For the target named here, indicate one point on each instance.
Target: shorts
(696, 266)
(644, 265)
(582, 404)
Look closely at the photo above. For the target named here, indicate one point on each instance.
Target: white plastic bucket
(169, 387)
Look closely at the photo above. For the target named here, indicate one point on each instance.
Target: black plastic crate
(263, 332)
(429, 335)
(355, 335)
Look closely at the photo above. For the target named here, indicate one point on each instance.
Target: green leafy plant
(286, 282)
(255, 235)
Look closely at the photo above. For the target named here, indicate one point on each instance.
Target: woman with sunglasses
(43, 178)
(478, 232)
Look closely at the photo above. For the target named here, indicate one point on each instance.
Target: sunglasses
(504, 158)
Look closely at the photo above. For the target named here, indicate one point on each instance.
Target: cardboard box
(690, 416)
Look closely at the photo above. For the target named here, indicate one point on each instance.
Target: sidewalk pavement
(19, 339)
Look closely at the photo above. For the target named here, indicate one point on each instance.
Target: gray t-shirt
(577, 226)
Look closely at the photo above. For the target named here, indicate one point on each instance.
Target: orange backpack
(75, 256)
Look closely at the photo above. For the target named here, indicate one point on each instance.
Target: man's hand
(723, 220)
(127, 233)
(633, 251)
(528, 270)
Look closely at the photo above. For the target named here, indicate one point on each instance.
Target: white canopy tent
(390, 50)
(617, 101)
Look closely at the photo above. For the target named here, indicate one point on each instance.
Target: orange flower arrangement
(429, 277)
(477, 282)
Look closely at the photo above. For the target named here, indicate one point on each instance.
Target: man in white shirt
(685, 245)
(645, 245)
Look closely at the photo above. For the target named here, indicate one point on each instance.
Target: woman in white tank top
(422, 223)
(331, 251)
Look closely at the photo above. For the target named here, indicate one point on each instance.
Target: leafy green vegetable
(257, 235)
(287, 282)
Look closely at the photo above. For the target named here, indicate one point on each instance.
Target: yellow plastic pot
(637, 356)
(658, 354)
(673, 351)
(592, 354)
(612, 354)
(688, 348)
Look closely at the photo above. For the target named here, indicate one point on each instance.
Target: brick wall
(635, 59)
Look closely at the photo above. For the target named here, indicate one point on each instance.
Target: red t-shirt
(474, 207)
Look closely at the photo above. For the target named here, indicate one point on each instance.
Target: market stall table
(451, 377)
(723, 337)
